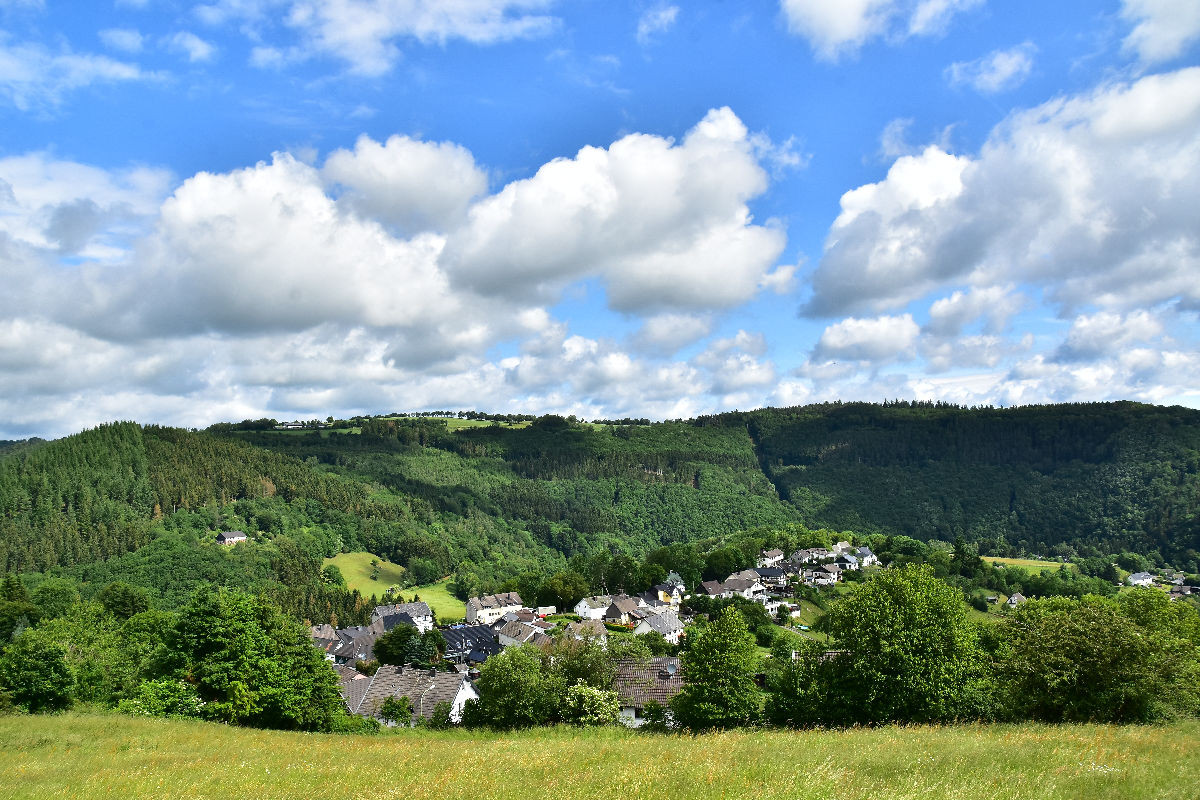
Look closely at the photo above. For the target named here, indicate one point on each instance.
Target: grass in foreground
(105, 755)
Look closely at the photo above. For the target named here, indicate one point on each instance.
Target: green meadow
(91, 755)
(356, 569)
(1031, 564)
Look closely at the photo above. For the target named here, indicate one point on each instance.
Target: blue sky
(297, 208)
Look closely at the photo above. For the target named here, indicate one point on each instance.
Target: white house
(866, 557)
(490, 607)
(665, 623)
(770, 558)
(1140, 579)
(418, 612)
(742, 587)
(1015, 599)
(593, 607)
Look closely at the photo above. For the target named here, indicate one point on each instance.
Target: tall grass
(82, 755)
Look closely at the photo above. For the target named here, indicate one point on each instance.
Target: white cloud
(191, 45)
(1107, 334)
(665, 225)
(407, 183)
(994, 304)
(33, 77)
(127, 40)
(1087, 196)
(838, 28)
(658, 19)
(875, 340)
(362, 32)
(664, 334)
(1163, 29)
(998, 71)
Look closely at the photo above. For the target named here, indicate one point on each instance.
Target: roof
(597, 601)
(414, 610)
(658, 679)
(624, 604)
(740, 584)
(462, 640)
(324, 632)
(712, 588)
(665, 623)
(423, 687)
(776, 553)
(353, 685)
(501, 600)
(771, 572)
(392, 620)
(227, 536)
(587, 627)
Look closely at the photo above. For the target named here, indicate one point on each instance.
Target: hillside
(496, 501)
(93, 755)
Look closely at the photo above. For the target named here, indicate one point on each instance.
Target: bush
(166, 697)
(35, 674)
(587, 705)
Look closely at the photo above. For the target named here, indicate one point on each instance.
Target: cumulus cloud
(998, 71)
(34, 77)
(665, 225)
(659, 19)
(296, 287)
(1163, 29)
(836, 29)
(1108, 333)
(995, 305)
(407, 183)
(875, 340)
(1087, 196)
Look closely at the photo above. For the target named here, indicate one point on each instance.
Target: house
(712, 589)
(847, 561)
(424, 688)
(231, 537)
(470, 644)
(517, 632)
(812, 555)
(490, 607)
(352, 684)
(668, 594)
(770, 558)
(638, 683)
(823, 575)
(865, 557)
(675, 579)
(419, 612)
(593, 607)
(741, 587)
(588, 629)
(842, 547)
(619, 610)
(666, 623)
(1140, 579)
(772, 577)
(545, 611)
(1015, 599)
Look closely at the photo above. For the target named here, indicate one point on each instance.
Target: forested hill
(435, 495)
(1112, 476)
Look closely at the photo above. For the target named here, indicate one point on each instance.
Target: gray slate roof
(425, 688)
(637, 683)
(414, 610)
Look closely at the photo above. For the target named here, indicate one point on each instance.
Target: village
(497, 621)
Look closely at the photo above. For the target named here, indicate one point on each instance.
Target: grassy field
(1028, 563)
(102, 755)
(356, 569)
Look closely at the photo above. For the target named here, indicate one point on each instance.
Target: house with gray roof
(637, 683)
(593, 607)
(424, 688)
(490, 607)
(419, 612)
(667, 624)
(470, 644)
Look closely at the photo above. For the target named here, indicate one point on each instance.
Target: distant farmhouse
(231, 537)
